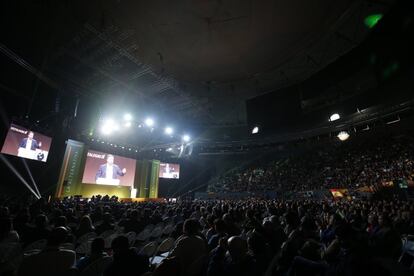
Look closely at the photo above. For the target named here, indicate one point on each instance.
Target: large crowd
(102, 236)
(347, 165)
(254, 236)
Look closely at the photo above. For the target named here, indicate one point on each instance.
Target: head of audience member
(256, 243)
(345, 235)
(134, 214)
(191, 227)
(384, 221)
(237, 248)
(41, 221)
(311, 250)
(227, 219)
(291, 219)
(308, 226)
(61, 221)
(57, 236)
(372, 219)
(97, 246)
(86, 223)
(335, 220)
(219, 226)
(5, 228)
(107, 217)
(4, 212)
(120, 244)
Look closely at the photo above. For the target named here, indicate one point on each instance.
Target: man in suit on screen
(29, 143)
(109, 171)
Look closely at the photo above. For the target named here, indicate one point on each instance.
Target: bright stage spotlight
(186, 138)
(127, 124)
(149, 122)
(169, 130)
(127, 117)
(255, 130)
(334, 117)
(343, 135)
(108, 127)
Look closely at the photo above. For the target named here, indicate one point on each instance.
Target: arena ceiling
(196, 61)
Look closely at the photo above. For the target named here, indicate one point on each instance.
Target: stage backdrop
(70, 179)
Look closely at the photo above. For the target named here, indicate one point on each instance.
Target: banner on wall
(146, 182)
(154, 178)
(71, 170)
(338, 193)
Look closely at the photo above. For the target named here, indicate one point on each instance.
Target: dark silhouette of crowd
(102, 236)
(353, 164)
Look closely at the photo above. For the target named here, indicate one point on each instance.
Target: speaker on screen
(25, 143)
(108, 169)
(169, 170)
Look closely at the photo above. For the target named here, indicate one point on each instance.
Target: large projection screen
(169, 170)
(108, 169)
(25, 143)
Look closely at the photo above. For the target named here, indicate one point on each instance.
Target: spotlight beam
(13, 169)
(31, 176)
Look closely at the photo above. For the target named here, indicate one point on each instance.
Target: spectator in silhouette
(260, 250)
(39, 231)
(106, 224)
(85, 226)
(126, 261)
(386, 240)
(238, 262)
(7, 234)
(220, 229)
(189, 247)
(132, 223)
(97, 256)
(52, 260)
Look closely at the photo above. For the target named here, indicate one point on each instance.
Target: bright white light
(343, 135)
(186, 138)
(334, 117)
(255, 130)
(127, 117)
(169, 149)
(149, 122)
(127, 124)
(108, 127)
(169, 130)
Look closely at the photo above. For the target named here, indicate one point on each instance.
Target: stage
(142, 199)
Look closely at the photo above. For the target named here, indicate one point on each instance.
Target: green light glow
(387, 72)
(372, 20)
